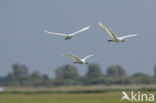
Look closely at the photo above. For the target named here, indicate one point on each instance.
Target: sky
(23, 40)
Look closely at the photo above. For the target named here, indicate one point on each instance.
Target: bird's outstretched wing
(60, 34)
(108, 31)
(88, 56)
(123, 37)
(76, 58)
(86, 28)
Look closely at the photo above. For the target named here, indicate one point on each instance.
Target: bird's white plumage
(78, 60)
(60, 34)
(123, 37)
(88, 56)
(68, 36)
(86, 28)
(113, 36)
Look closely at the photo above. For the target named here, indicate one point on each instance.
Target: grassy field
(60, 98)
(29, 95)
(112, 97)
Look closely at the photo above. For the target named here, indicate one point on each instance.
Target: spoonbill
(68, 36)
(113, 36)
(79, 61)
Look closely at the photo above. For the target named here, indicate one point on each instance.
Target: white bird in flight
(79, 61)
(68, 36)
(113, 36)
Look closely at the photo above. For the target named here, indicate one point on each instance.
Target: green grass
(60, 98)
(109, 97)
(73, 94)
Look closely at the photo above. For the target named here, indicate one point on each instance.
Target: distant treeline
(68, 75)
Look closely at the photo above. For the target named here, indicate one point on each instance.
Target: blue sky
(23, 41)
